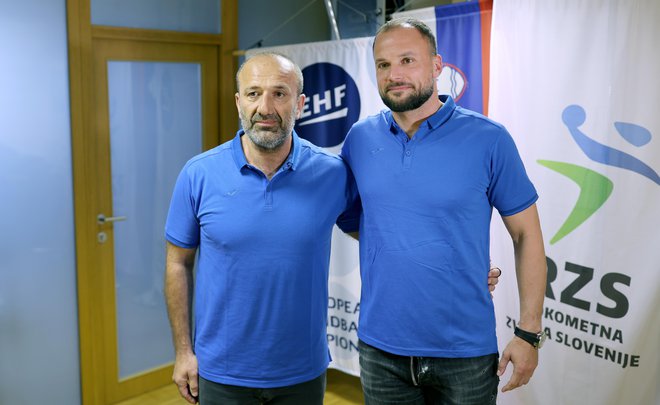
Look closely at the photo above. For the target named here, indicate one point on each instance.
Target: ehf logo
(452, 81)
(331, 107)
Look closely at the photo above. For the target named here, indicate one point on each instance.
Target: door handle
(102, 219)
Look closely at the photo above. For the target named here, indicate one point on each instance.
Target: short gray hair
(274, 55)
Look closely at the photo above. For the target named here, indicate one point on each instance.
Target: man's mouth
(265, 120)
(398, 87)
(266, 123)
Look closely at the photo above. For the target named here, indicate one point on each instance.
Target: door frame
(106, 50)
(89, 197)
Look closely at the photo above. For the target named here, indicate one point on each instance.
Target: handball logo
(596, 188)
(331, 107)
(452, 81)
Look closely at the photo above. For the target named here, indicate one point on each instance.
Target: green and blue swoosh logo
(595, 188)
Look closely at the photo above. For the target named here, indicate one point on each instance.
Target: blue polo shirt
(424, 237)
(261, 287)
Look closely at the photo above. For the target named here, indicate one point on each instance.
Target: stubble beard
(412, 102)
(266, 139)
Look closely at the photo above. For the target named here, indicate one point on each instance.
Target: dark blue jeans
(309, 392)
(403, 380)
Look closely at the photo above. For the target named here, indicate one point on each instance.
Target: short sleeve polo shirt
(262, 272)
(424, 239)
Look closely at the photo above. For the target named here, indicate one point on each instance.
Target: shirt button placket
(268, 196)
(407, 157)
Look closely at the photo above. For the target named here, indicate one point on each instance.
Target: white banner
(340, 88)
(576, 83)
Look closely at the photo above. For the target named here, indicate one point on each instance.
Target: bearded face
(269, 100)
(399, 101)
(268, 131)
(406, 69)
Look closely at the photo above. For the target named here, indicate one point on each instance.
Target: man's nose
(265, 106)
(395, 73)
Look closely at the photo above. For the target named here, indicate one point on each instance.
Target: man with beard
(429, 173)
(260, 209)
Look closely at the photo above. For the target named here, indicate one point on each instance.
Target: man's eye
(406, 60)
(382, 65)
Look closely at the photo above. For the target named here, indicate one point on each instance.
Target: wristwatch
(534, 339)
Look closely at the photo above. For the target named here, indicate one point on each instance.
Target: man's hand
(185, 376)
(493, 277)
(524, 357)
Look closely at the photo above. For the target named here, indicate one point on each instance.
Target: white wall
(39, 361)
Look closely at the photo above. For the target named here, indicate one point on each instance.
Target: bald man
(427, 327)
(259, 210)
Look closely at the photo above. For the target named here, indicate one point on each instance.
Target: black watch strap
(534, 339)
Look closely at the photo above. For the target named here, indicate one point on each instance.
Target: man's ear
(300, 103)
(437, 66)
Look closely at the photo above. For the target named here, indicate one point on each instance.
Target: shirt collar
(290, 163)
(434, 121)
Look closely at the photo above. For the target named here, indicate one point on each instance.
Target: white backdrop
(576, 83)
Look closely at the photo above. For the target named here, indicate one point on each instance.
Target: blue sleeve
(510, 189)
(345, 153)
(182, 225)
(349, 220)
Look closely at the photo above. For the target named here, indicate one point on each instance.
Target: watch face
(541, 336)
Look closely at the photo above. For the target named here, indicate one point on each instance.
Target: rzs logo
(595, 188)
(332, 105)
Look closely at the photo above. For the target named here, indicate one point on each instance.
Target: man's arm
(178, 294)
(525, 231)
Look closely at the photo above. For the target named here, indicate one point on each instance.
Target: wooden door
(142, 103)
